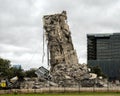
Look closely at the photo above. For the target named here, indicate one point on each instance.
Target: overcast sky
(21, 28)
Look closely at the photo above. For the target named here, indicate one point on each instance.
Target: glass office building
(104, 50)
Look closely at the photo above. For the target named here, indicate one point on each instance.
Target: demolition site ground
(69, 94)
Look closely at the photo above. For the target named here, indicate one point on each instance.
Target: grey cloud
(21, 35)
(17, 13)
(21, 25)
(98, 3)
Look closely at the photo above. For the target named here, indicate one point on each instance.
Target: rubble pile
(65, 69)
(70, 74)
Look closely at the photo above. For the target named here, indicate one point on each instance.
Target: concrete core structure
(59, 40)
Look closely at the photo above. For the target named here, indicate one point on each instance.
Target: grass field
(68, 94)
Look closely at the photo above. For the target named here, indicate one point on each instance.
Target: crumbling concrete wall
(59, 40)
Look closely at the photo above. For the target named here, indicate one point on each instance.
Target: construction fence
(62, 90)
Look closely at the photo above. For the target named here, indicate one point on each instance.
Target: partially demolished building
(65, 69)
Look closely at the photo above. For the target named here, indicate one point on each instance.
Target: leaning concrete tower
(59, 40)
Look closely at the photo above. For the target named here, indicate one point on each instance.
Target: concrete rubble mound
(70, 74)
(65, 69)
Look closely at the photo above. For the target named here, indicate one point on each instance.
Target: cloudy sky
(21, 28)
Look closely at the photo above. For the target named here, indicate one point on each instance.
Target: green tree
(97, 70)
(6, 71)
(19, 72)
(30, 73)
(4, 67)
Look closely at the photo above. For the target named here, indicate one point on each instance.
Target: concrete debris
(14, 79)
(93, 76)
(42, 73)
(69, 74)
(44, 78)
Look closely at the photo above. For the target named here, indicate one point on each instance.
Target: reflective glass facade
(104, 50)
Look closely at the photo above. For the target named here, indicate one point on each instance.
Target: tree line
(8, 71)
